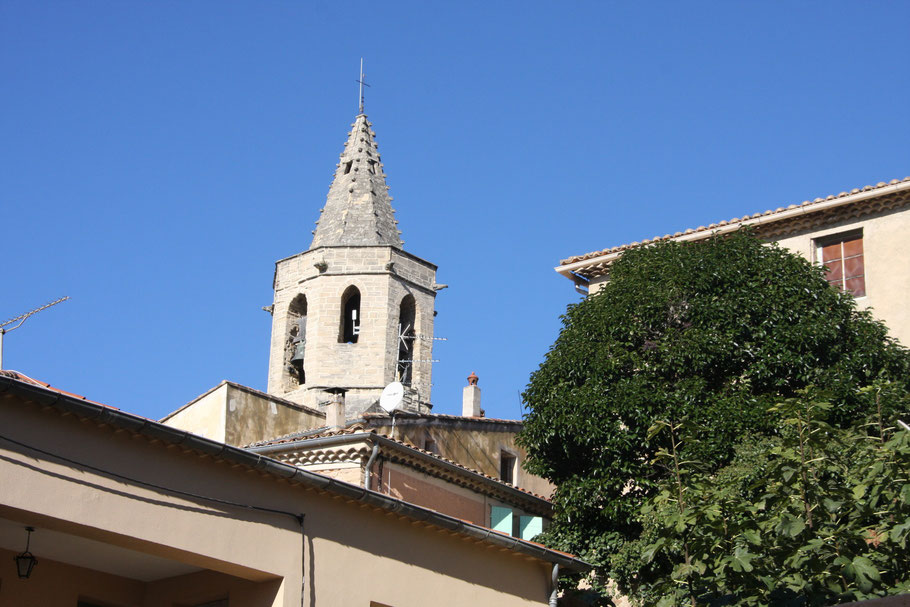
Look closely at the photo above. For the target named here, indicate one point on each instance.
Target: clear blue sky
(157, 158)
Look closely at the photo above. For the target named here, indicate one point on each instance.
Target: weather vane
(362, 84)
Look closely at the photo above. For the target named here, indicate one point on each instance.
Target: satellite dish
(391, 397)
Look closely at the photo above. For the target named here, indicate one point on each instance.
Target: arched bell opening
(295, 343)
(350, 316)
(407, 337)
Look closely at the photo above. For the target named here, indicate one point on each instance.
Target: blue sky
(159, 157)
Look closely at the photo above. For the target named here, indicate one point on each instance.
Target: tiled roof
(25, 378)
(293, 437)
(302, 437)
(714, 226)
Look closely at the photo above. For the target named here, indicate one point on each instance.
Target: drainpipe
(555, 585)
(366, 473)
(301, 518)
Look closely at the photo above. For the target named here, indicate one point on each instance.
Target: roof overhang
(582, 268)
(416, 458)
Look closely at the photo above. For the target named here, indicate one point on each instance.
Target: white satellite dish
(391, 397)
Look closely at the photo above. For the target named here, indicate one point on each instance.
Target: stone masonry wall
(384, 276)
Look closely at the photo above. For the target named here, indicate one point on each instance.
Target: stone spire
(358, 209)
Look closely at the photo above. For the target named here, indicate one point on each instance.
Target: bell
(298, 354)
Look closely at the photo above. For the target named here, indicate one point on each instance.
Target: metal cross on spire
(362, 84)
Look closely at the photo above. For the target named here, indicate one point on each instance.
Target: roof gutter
(568, 270)
(378, 440)
(174, 436)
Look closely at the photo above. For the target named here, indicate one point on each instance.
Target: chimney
(334, 411)
(470, 400)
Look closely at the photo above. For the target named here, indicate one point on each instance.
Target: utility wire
(152, 485)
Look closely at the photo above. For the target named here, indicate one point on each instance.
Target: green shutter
(501, 519)
(529, 526)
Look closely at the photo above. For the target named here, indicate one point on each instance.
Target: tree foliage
(816, 516)
(715, 333)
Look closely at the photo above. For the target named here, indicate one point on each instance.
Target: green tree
(816, 516)
(714, 333)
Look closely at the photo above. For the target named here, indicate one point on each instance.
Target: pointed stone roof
(358, 209)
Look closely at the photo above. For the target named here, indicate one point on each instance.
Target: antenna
(390, 400)
(21, 319)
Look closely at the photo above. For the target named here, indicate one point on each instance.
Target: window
(347, 166)
(842, 255)
(529, 526)
(507, 467)
(406, 337)
(295, 344)
(501, 519)
(350, 316)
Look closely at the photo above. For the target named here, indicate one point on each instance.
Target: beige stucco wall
(239, 416)
(206, 416)
(886, 256)
(393, 560)
(886, 252)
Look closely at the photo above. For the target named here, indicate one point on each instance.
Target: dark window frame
(843, 256)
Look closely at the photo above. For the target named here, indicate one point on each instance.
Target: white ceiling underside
(91, 554)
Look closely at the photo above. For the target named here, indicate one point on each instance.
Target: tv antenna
(21, 319)
(406, 337)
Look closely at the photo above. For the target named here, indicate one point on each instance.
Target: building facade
(128, 512)
(860, 236)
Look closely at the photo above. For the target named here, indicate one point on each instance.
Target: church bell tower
(355, 311)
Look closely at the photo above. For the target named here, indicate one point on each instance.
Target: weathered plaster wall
(240, 416)
(473, 446)
(254, 417)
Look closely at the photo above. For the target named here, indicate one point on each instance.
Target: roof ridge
(720, 224)
(401, 414)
